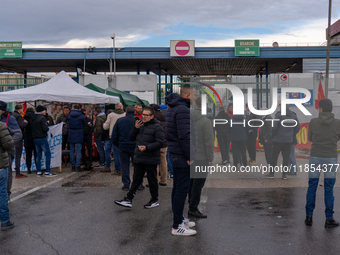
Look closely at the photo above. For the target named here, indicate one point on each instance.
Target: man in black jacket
(223, 134)
(18, 143)
(39, 132)
(149, 137)
(121, 138)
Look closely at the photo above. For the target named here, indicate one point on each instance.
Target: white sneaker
(190, 224)
(125, 202)
(183, 230)
(50, 174)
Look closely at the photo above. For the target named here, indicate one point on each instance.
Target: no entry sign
(283, 80)
(283, 77)
(184, 48)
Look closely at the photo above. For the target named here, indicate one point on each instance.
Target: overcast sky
(153, 23)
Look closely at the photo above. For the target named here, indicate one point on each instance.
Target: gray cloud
(57, 22)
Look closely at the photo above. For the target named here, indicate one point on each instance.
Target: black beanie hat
(40, 108)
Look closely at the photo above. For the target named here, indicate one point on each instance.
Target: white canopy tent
(60, 88)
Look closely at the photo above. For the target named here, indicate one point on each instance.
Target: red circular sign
(283, 77)
(182, 48)
(295, 94)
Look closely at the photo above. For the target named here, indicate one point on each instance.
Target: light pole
(114, 60)
(328, 46)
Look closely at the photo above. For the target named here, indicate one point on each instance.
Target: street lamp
(114, 59)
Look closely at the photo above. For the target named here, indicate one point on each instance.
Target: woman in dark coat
(29, 141)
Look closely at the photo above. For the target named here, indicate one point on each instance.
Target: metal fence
(8, 84)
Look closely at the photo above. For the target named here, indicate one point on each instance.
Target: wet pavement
(76, 214)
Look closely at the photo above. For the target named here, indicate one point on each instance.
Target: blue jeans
(78, 150)
(329, 181)
(125, 153)
(169, 163)
(181, 184)
(4, 212)
(108, 145)
(292, 160)
(100, 149)
(41, 145)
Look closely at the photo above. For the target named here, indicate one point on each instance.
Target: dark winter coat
(223, 129)
(238, 131)
(266, 130)
(160, 116)
(49, 119)
(324, 133)
(151, 135)
(285, 134)
(180, 127)
(76, 122)
(6, 144)
(39, 126)
(122, 129)
(29, 141)
(63, 118)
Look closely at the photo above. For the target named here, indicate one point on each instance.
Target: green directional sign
(10, 49)
(247, 48)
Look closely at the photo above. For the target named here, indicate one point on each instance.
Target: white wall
(98, 80)
(138, 83)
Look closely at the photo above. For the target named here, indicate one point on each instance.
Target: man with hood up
(182, 146)
(283, 139)
(324, 134)
(76, 122)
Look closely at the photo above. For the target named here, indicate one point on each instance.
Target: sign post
(10, 49)
(247, 48)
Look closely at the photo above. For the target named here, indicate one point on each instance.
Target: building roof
(207, 60)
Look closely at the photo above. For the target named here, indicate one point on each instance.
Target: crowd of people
(165, 140)
(275, 138)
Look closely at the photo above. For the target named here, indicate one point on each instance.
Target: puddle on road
(86, 180)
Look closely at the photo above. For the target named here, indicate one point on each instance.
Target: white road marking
(40, 187)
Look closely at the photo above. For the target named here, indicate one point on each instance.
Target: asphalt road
(64, 220)
(74, 213)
